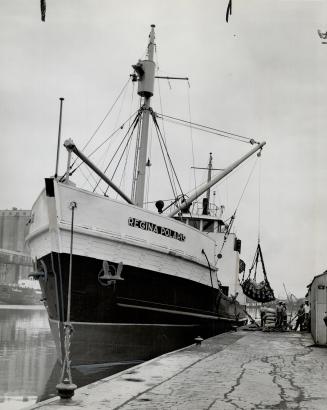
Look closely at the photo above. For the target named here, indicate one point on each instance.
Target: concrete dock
(236, 370)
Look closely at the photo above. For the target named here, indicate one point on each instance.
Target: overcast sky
(262, 75)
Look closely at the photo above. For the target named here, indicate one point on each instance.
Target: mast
(209, 177)
(59, 138)
(146, 72)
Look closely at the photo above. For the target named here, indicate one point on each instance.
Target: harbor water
(27, 355)
(29, 370)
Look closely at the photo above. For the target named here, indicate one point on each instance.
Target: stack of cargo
(269, 320)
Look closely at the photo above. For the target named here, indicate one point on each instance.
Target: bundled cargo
(262, 291)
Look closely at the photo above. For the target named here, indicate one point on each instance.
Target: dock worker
(284, 316)
(307, 315)
(279, 315)
(300, 318)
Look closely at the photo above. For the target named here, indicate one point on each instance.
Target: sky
(261, 75)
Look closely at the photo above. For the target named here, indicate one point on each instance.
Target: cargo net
(262, 291)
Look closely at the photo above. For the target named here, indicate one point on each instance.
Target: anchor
(41, 272)
(109, 274)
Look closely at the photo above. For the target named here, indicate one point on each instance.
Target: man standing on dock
(284, 316)
(300, 318)
(307, 316)
(279, 315)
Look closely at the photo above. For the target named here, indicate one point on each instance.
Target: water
(29, 370)
(27, 355)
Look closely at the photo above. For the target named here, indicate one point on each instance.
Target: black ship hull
(141, 315)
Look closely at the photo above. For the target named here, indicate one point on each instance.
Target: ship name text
(151, 227)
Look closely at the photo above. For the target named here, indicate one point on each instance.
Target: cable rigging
(165, 161)
(163, 134)
(105, 153)
(132, 126)
(210, 130)
(232, 218)
(168, 156)
(122, 154)
(106, 116)
(98, 127)
(99, 146)
(262, 291)
(122, 180)
(191, 133)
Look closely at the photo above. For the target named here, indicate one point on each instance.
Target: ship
(25, 292)
(134, 282)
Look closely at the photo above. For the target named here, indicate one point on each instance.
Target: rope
(165, 161)
(161, 139)
(246, 184)
(211, 130)
(68, 326)
(103, 159)
(112, 134)
(88, 180)
(237, 206)
(136, 157)
(148, 174)
(96, 149)
(107, 114)
(203, 251)
(191, 134)
(259, 200)
(167, 153)
(100, 124)
(159, 92)
(121, 156)
(258, 254)
(72, 206)
(220, 292)
(227, 231)
(134, 123)
(122, 180)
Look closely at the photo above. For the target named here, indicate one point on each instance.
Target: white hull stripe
(125, 324)
(176, 312)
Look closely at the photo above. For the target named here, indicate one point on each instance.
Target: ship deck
(235, 370)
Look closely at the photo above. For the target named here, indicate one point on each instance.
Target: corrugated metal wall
(318, 302)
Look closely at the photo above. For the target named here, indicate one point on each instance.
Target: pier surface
(236, 370)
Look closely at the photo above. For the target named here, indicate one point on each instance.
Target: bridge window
(208, 226)
(221, 226)
(195, 223)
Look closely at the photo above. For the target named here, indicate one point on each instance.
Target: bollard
(66, 389)
(198, 340)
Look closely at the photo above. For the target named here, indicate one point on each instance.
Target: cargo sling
(262, 291)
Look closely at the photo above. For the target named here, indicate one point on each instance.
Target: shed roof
(316, 277)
